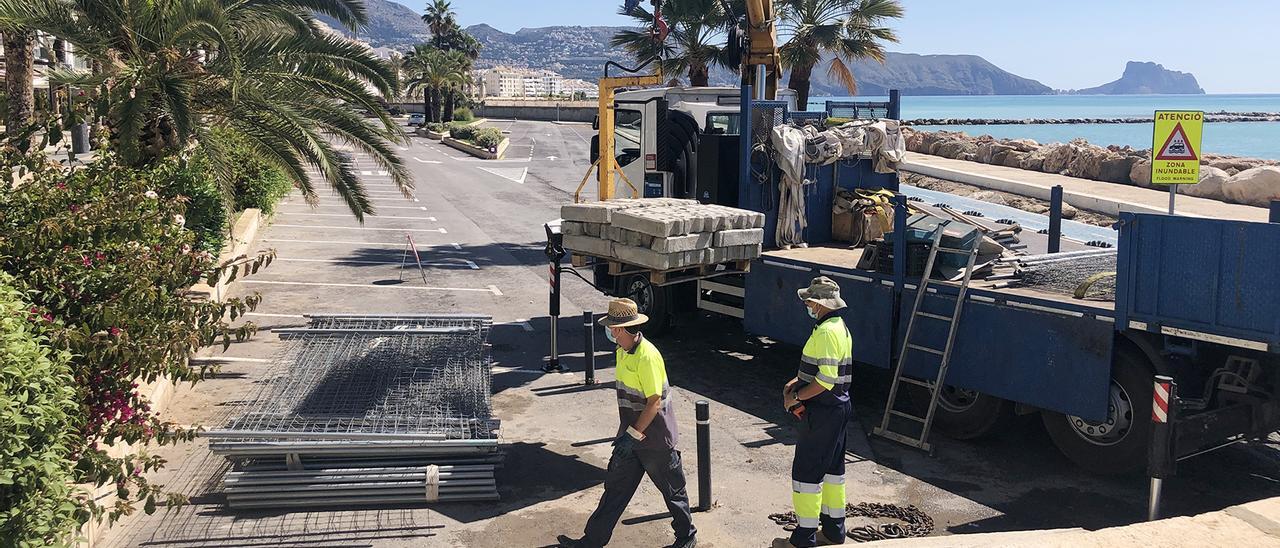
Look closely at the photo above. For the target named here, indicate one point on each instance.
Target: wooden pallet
(663, 277)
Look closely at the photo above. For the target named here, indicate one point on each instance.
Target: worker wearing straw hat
(819, 397)
(646, 439)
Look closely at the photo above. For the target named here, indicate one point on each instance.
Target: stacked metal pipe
(368, 410)
(1069, 272)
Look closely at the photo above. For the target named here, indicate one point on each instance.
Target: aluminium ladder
(934, 388)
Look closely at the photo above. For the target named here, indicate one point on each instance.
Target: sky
(1229, 45)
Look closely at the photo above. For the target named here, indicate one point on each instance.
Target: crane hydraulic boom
(760, 62)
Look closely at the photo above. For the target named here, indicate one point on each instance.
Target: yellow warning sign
(1175, 148)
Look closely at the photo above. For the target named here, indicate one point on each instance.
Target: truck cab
(679, 142)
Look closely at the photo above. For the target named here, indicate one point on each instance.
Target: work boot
(782, 543)
(566, 542)
(685, 543)
(824, 540)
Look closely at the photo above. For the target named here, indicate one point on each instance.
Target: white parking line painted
(420, 160)
(266, 315)
(340, 242)
(508, 173)
(518, 371)
(343, 206)
(491, 289)
(370, 173)
(229, 359)
(328, 227)
(523, 323)
(432, 219)
(461, 262)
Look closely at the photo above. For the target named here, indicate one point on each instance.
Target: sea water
(1257, 139)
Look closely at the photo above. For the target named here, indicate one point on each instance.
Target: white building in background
(518, 82)
(572, 86)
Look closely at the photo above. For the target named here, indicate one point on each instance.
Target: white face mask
(812, 314)
(608, 334)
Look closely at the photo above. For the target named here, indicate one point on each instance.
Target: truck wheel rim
(643, 296)
(1115, 427)
(956, 400)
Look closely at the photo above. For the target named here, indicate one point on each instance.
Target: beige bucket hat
(623, 313)
(824, 291)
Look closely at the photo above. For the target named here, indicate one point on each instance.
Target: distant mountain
(391, 25)
(1146, 78)
(574, 52)
(914, 74)
(581, 52)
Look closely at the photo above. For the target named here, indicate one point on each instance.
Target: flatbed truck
(1196, 299)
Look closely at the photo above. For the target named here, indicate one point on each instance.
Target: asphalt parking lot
(477, 226)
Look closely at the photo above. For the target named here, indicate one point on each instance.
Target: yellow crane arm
(762, 47)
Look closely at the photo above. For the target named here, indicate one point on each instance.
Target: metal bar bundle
(368, 409)
(1068, 273)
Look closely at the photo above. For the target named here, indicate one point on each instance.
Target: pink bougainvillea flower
(115, 331)
(86, 261)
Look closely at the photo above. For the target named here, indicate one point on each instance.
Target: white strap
(433, 483)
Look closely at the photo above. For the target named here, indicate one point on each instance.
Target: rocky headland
(1232, 179)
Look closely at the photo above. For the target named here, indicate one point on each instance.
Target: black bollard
(555, 253)
(589, 350)
(1055, 219)
(703, 415)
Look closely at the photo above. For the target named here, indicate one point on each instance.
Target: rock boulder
(1210, 185)
(1140, 173)
(1257, 186)
(1058, 156)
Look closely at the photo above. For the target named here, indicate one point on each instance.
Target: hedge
(206, 210)
(483, 137)
(463, 114)
(37, 507)
(255, 182)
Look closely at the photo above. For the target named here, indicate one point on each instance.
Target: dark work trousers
(819, 463)
(664, 468)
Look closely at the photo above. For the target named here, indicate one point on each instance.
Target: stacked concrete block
(662, 233)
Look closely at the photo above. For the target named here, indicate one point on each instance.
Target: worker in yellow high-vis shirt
(819, 396)
(646, 442)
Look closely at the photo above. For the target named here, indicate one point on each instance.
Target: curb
(476, 151)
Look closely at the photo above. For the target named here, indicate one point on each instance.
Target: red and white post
(1160, 459)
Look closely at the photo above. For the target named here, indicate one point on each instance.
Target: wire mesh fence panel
(344, 381)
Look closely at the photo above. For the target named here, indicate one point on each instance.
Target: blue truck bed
(1017, 344)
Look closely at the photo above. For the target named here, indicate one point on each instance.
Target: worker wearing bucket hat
(646, 442)
(819, 397)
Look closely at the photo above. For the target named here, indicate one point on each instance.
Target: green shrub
(460, 130)
(37, 404)
(193, 184)
(487, 138)
(254, 181)
(463, 114)
(436, 127)
(106, 264)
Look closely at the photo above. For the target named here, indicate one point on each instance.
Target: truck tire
(1117, 445)
(965, 414)
(651, 300)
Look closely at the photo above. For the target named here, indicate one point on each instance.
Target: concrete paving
(1098, 196)
(488, 259)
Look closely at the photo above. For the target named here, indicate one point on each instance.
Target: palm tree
(433, 71)
(693, 45)
(439, 17)
(848, 29)
(19, 75)
(457, 40)
(174, 71)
